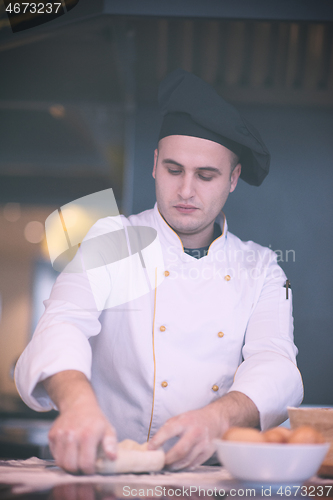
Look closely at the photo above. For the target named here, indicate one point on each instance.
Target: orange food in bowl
(243, 434)
(277, 435)
(306, 435)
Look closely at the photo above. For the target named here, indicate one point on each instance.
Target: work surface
(35, 478)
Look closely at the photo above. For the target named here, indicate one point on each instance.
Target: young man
(210, 347)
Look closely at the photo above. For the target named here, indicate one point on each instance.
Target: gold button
(162, 328)
(164, 384)
(215, 388)
(227, 277)
(166, 273)
(220, 334)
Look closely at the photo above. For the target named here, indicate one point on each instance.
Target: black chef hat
(192, 107)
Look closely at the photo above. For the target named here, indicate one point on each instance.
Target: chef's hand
(81, 428)
(197, 428)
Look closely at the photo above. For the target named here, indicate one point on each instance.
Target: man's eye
(174, 172)
(203, 178)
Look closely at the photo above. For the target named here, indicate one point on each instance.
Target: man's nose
(187, 187)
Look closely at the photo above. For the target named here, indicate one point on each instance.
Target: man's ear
(234, 177)
(155, 162)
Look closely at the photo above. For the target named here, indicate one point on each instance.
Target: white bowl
(270, 462)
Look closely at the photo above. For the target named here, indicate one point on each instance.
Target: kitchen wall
(17, 258)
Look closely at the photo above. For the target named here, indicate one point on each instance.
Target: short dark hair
(234, 161)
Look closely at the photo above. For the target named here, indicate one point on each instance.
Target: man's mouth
(185, 209)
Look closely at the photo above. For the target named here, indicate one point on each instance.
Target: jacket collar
(170, 238)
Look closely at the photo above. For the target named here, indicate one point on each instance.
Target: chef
(209, 346)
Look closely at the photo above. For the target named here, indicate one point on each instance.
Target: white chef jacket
(212, 325)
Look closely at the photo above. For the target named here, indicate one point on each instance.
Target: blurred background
(78, 114)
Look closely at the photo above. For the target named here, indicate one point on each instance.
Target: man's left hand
(195, 430)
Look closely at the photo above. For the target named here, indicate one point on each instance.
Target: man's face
(193, 180)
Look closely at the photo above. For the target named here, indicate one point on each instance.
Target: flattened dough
(132, 457)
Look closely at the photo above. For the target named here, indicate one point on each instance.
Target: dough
(132, 457)
(129, 444)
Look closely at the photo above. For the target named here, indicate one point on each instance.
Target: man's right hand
(81, 428)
